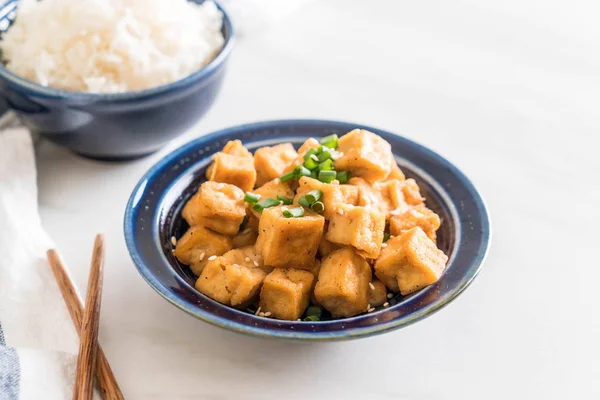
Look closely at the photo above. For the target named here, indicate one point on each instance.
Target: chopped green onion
(311, 164)
(330, 141)
(251, 197)
(313, 196)
(325, 154)
(314, 310)
(326, 165)
(343, 176)
(266, 203)
(318, 207)
(287, 177)
(294, 212)
(300, 171)
(303, 202)
(312, 318)
(285, 200)
(386, 236)
(314, 174)
(309, 153)
(327, 176)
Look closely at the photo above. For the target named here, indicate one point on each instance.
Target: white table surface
(508, 90)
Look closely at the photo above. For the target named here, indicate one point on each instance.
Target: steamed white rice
(106, 46)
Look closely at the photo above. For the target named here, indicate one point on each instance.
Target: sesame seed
(235, 266)
(390, 295)
(340, 211)
(211, 258)
(202, 256)
(257, 311)
(276, 181)
(173, 240)
(256, 263)
(386, 304)
(261, 314)
(247, 259)
(383, 245)
(368, 306)
(371, 286)
(268, 314)
(371, 309)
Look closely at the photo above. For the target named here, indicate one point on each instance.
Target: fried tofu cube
(289, 242)
(234, 148)
(396, 172)
(198, 244)
(365, 154)
(326, 247)
(386, 197)
(410, 262)
(286, 293)
(272, 189)
(377, 293)
(235, 170)
(420, 216)
(411, 192)
(231, 281)
(310, 143)
(333, 194)
(218, 206)
(244, 238)
(270, 162)
(359, 227)
(343, 284)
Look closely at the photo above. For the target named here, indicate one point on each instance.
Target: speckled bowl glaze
(153, 216)
(117, 126)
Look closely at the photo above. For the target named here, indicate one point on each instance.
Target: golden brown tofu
(244, 238)
(289, 242)
(286, 292)
(326, 247)
(271, 190)
(377, 293)
(235, 170)
(359, 227)
(365, 154)
(396, 172)
(310, 143)
(270, 162)
(218, 206)
(410, 262)
(420, 216)
(198, 244)
(411, 192)
(343, 284)
(334, 194)
(386, 197)
(234, 148)
(232, 283)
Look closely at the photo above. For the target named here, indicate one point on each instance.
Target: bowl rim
(476, 263)
(33, 88)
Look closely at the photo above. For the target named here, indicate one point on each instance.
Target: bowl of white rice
(112, 79)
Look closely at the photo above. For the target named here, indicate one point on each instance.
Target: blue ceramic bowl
(114, 126)
(153, 215)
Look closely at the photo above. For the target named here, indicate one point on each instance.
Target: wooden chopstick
(106, 379)
(90, 324)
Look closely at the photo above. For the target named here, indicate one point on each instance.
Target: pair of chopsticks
(91, 359)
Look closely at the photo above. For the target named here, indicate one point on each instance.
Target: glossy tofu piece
(326, 247)
(231, 281)
(234, 148)
(270, 162)
(359, 227)
(235, 170)
(286, 293)
(247, 237)
(218, 206)
(411, 192)
(198, 244)
(289, 242)
(377, 293)
(310, 143)
(410, 262)
(387, 197)
(334, 194)
(343, 284)
(365, 154)
(420, 216)
(272, 189)
(396, 172)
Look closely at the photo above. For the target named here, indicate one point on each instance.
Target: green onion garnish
(300, 171)
(251, 197)
(330, 141)
(326, 165)
(325, 154)
(343, 176)
(311, 164)
(312, 318)
(314, 310)
(318, 207)
(294, 212)
(313, 196)
(303, 202)
(314, 174)
(386, 236)
(266, 203)
(327, 176)
(285, 200)
(309, 153)
(287, 177)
